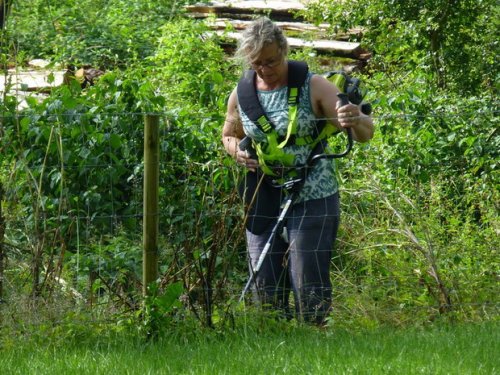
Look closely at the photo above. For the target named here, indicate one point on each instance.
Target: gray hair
(257, 35)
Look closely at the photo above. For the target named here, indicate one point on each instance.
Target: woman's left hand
(349, 115)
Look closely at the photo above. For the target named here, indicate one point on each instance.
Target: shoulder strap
(297, 74)
(249, 101)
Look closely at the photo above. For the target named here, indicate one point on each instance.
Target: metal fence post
(150, 200)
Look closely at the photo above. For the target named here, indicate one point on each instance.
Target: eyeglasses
(271, 63)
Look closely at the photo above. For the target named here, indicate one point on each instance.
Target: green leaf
(70, 102)
(25, 123)
(115, 141)
(31, 101)
(171, 296)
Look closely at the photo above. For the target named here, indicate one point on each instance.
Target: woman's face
(269, 64)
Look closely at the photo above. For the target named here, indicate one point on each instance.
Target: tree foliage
(455, 40)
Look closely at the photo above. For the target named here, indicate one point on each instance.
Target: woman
(301, 261)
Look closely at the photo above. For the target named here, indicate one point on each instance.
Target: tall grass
(439, 349)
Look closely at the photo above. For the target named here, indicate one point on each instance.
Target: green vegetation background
(419, 237)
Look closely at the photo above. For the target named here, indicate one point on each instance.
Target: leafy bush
(416, 257)
(101, 33)
(430, 135)
(419, 207)
(453, 41)
(191, 68)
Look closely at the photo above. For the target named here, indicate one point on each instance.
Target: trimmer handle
(246, 145)
(344, 100)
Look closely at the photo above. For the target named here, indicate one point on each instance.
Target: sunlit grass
(449, 349)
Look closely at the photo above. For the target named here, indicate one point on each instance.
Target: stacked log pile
(228, 19)
(41, 78)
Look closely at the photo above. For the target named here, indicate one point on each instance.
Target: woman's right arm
(232, 134)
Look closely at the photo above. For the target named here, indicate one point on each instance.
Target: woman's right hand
(243, 158)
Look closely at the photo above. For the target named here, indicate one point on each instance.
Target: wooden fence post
(150, 199)
(2, 249)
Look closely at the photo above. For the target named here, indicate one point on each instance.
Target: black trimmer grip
(246, 145)
(366, 107)
(344, 99)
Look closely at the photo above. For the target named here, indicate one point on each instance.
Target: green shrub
(100, 33)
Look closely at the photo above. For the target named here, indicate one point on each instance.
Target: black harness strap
(297, 74)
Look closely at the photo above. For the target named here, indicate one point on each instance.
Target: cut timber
(300, 27)
(277, 10)
(32, 80)
(334, 47)
(222, 23)
(31, 84)
(231, 17)
(214, 7)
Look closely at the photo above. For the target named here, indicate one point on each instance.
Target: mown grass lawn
(449, 349)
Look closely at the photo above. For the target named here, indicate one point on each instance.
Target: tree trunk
(4, 12)
(437, 56)
(436, 37)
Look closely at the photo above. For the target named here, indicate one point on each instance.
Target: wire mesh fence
(73, 214)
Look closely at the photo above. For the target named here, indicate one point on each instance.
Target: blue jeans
(301, 264)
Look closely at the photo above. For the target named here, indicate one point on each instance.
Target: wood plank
(214, 6)
(320, 30)
(222, 23)
(31, 80)
(277, 10)
(345, 48)
(338, 48)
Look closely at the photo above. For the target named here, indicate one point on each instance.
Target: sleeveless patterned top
(321, 180)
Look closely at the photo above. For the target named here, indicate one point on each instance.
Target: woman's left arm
(326, 104)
